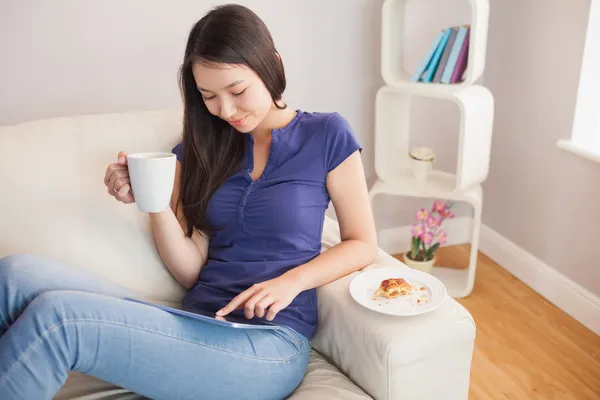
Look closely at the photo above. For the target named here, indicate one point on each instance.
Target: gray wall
(541, 198)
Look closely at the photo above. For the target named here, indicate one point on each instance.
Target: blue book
(425, 60)
(435, 59)
(445, 55)
(453, 58)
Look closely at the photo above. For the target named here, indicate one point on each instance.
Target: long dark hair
(212, 149)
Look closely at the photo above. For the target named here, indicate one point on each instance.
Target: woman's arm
(183, 256)
(348, 191)
(347, 188)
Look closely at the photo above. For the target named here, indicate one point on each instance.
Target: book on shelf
(446, 58)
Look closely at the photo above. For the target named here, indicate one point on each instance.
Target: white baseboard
(398, 240)
(567, 295)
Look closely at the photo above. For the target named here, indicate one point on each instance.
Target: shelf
(459, 282)
(475, 106)
(439, 185)
(393, 39)
(438, 90)
(405, 35)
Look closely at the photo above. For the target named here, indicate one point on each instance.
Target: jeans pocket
(291, 338)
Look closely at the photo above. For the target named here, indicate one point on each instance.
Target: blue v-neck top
(275, 223)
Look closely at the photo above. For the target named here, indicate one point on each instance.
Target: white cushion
(54, 201)
(322, 382)
(420, 357)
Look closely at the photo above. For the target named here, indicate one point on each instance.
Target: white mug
(152, 176)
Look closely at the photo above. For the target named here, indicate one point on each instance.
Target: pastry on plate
(393, 287)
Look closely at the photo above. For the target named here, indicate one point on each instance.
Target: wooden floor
(526, 348)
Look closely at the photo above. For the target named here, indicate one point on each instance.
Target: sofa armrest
(419, 357)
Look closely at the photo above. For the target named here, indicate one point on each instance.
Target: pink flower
(422, 215)
(447, 214)
(439, 206)
(427, 238)
(418, 230)
(433, 222)
(442, 237)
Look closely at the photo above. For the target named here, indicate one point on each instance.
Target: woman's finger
(250, 305)
(111, 169)
(118, 179)
(129, 197)
(274, 309)
(123, 192)
(262, 305)
(122, 158)
(120, 182)
(237, 301)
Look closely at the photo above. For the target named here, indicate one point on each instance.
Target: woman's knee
(12, 264)
(15, 266)
(48, 303)
(54, 307)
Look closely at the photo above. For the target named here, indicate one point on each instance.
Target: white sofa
(53, 202)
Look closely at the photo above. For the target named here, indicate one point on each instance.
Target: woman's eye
(206, 98)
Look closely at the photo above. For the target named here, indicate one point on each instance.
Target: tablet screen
(228, 320)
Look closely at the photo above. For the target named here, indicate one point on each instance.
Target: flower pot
(421, 162)
(421, 169)
(425, 266)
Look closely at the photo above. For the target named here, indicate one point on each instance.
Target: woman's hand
(117, 181)
(275, 294)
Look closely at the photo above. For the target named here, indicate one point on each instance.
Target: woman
(243, 233)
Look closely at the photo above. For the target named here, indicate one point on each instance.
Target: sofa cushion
(322, 382)
(394, 357)
(52, 174)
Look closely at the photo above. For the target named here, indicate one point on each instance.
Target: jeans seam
(51, 329)
(3, 321)
(26, 353)
(128, 369)
(301, 338)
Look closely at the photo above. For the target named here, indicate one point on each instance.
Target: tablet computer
(202, 315)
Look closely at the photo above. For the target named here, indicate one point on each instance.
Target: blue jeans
(55, 319)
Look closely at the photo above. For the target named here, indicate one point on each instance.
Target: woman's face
(234, 93)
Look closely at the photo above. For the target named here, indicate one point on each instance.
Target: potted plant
(421, 160)
(428, 235)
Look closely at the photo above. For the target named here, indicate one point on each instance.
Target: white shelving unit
(475, 105)
(392, 45)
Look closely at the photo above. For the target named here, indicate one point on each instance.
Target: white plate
(428, 294)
